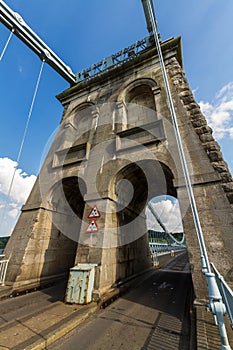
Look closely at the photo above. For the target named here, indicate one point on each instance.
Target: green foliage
(3, 242)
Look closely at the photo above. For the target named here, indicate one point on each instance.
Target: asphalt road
(153, 315)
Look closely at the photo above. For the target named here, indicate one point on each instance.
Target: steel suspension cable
(6, 45)
(23, 140)
(179, 142)
(216, 305)
(153, 212)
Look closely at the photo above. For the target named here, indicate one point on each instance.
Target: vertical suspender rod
(14, 22)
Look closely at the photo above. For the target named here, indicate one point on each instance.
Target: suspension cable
(153, 212)
(179, 142)
(30, 111)
(22, 141)
(216, 305)
(6, 45)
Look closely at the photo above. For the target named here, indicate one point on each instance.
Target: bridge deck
(154, 314)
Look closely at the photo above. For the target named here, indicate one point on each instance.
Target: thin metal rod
(13, 20)
(153, 212)
(179, 142)
(30, 111)
(216, 305)
(6, 45)
(23, 139)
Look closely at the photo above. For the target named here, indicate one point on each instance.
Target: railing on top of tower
(122, 56)
(15, 23)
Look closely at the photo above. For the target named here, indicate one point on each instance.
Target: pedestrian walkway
(35, 320)
(39, 329)
(38, 319)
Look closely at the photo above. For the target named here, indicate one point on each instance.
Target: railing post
(3, 270)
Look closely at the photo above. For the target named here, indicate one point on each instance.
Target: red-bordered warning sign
(94, 213)
(92, 227)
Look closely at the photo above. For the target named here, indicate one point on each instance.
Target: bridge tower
(115, 150)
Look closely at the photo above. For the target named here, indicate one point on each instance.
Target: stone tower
(114, 151)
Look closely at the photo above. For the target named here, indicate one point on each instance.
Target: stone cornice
(171, 47)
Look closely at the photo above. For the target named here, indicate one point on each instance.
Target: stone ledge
(198, 180)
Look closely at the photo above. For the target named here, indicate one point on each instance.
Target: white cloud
(169, 214)
(219, 113)
(195, 90)
(13, 213)
(22, 185)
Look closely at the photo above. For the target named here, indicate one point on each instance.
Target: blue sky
(83, 32)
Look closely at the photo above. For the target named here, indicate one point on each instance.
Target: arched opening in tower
(137, 184)
(165, 227)
(68, 206)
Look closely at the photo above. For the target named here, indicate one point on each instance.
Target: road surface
(153, 315)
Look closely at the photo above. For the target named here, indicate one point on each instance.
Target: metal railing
(3, 269)
(158, 249)
(226, 293)
(122, 56)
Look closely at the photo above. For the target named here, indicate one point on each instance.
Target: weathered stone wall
(100, 137)
(213, 188)
(200, 126)
(38, 251)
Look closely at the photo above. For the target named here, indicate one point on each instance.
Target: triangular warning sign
(92, 227)
(94, 213)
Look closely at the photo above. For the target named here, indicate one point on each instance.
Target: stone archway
(135, 185)
(67, 199)
(48, 252)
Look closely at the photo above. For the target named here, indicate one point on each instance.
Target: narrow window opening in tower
(141, 108)
(141, 95)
